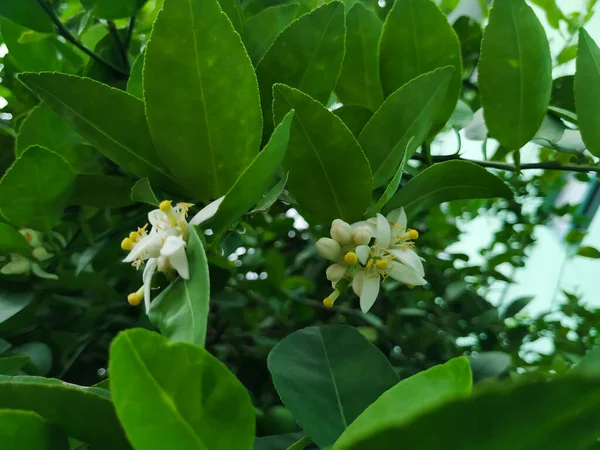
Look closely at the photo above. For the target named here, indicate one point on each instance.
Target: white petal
(357, 282)
(38, 271)
(476, 130)
(174, 249)
(409, 258)
(147, 278)
(149, 247)
(362, 251)
(383, 235)
(405, 274)
(369, 293)
(207, 212)
(156, 216)
(398, 216)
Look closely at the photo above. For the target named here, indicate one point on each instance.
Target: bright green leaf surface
(181, 311)
(203, 109)
(322, 157)
(12, 240)
(27, 13)
(34, 56)
(27, 430)
(410, 398)
(417, 39)
(35, 190)
(406, 114)
(134, 83)
(587, 91)
(271, 197)
(359, 83)
(11, 365)
(515, 73)
(101, 191)
(355, 117)
(321, 376)
(451, 180)
(142, 192)
(307, 55)
(233, 11)
(183, 398)
(13, 302)
(112, 9)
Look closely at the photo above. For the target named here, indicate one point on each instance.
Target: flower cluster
(366, 253)
(23, 265)
(162, 248)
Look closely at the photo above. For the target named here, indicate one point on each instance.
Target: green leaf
(563, 93)
(12, 365)
(406, 115)
(111, 120)
(83, 413)
(101, 191)
(417, 39)
(206, 125)
(35, 189)
(487, 365)
(564, 413)
(276, 442)
(447, 181)
(409, 399)
(135, 85)
(589, 252)
(39, 355)
(13, 302)
(255, 180)
(27, 430)
(261, 30)
(181, 311)
(469, 34)
(392, 187)
(27, 13)
(183, 398)
(462, 116)
(233, 11)
(516, 306)
(359, 83)
(112, 9)
(515, 73)
(322, 157)
(142, 192)
(307, 55)
(34, 56)
(355, 117)
(587, 91)
(11, 240)
(567, 54)
(553, 12)
(321, 376)
(271, 197)
(589, 364)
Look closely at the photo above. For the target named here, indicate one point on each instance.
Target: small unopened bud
(18, 265)
(335, 272)
(33, 237)
(329, 249)
(351, 258)
(40, 253)
(362, 236)
(341, 231)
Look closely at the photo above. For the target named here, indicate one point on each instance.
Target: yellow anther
(28, 236)
(127, 244)
(328, 302)
(135, 298)
(410, 286)
(413, 234)
(134, 236)
(351, 258)
(382, 264)
(165, 206)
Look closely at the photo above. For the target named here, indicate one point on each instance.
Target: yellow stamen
(134, 236)
(127, 244)
(410, 286)
(135, 298)
(413, 234)
(28, 236)
(382, 264)
(329, 301)
(165, 206)
(351, 258)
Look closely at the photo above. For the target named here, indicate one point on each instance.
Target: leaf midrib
(333, 381)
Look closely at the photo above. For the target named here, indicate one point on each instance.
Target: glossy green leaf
(271, 197)
(83, 413)
(587, 91)
(27, 430)
(101, 191)
(564, 413)
(355, 117)
(320, 374)
(469, 34)
(142, 192)
(359, 83)
(111, 120)
(11, 240)
(307, 55)
(322, 157)
(232, 9)
(261, 30)
(13, 302)
(514, 307)
(181, 311)
(410, 398)
(255, 180)
(34, 56)
(447, 181)
(563, 93)
(406, 115)
(515, 73)
(207, 126)
(183, 398)
(27, 13)
(12, 365)
(486, 365)
(35, 190)
(112, 9)
(417, 39)
(134, 84)
(589, 252)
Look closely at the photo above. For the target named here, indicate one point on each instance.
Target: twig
(120, 44)
(64, 32)
(129, 36)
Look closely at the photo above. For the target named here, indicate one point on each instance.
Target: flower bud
(335, 272)
(33, 237)
(341, 232)
(362, 236)
(18, 265)
(329, 249)
(40, 253)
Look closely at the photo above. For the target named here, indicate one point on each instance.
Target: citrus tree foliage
(228, 225)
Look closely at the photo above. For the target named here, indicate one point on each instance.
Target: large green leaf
(417, 39)
(112, 9)
(142, 192)
(36, 55)
(13, 302)
(355, 117)
(182, 397)
(307, 55)
(111, 120)
(84, 413)
(11, 240)
(27, 430)
(405, 116)
(27, 13)
(410, 398)
(451, 180)
(255, 180)
(181, 311)
(329, 174)
(135, 82)
(327, 376)
(102, 191)
(203, 108)
(564, 413)
(359, 83)
(261, 30)
(35, 190)
(587, 91)
(515, 73)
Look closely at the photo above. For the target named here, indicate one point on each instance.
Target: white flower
(24, 265)
(163, 247)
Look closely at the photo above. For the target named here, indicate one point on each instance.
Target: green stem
(130, 32)
(120, 44)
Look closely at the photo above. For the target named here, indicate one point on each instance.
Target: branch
(120, 45)
(551, 165)
(129, 32)
(64, 32)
